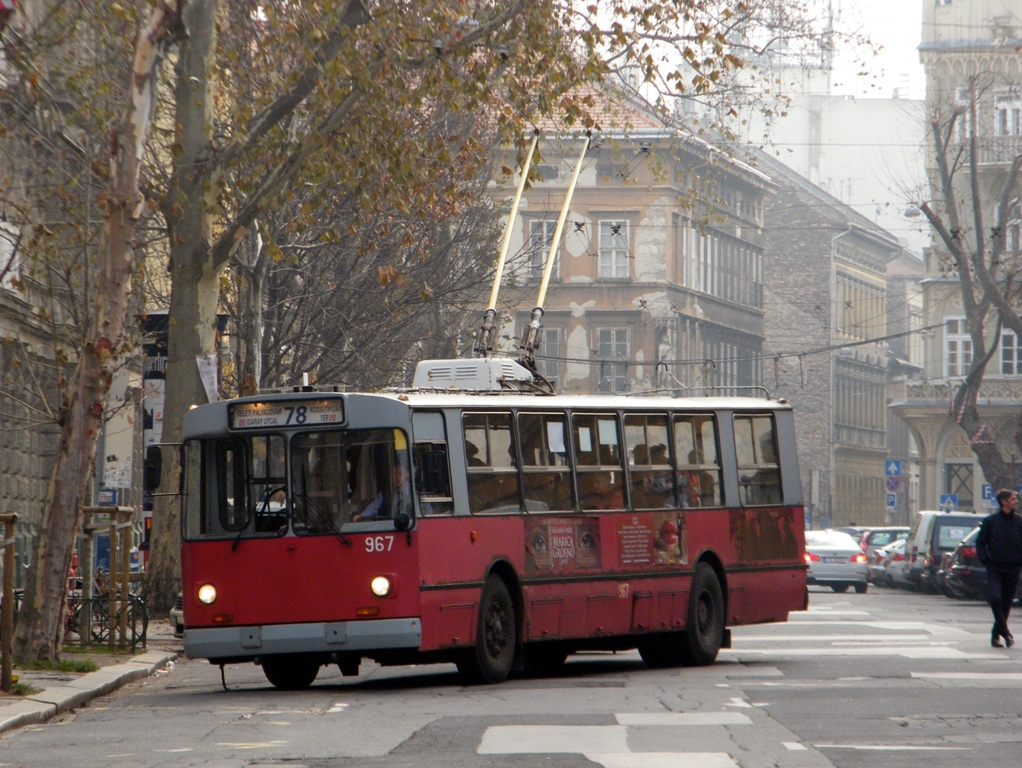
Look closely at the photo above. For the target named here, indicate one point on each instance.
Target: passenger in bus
(603, 493)
(402, 501)
(696, 486)
(472, 455)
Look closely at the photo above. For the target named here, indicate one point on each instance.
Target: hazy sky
(895, 25)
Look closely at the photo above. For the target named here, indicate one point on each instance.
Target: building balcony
(997, 150)
(996, 391)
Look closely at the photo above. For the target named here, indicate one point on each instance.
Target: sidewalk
(66, 690)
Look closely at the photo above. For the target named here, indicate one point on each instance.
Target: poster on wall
(154, 382)
(652, 538)
(556, 545)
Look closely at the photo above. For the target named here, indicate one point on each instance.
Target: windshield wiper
(321, 514)
(324, 517)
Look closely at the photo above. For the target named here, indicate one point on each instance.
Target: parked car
(940, 577)
(875, 538)
(876, 564)
(895, 564)
(177, 615)
(855, 531)
(835, 560)
(934, 533)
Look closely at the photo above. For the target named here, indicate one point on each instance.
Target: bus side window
(759, 477)
(491, 469)
(432, 479)
(695, 451)
(546, 477)
(599, 472)
(649, 467)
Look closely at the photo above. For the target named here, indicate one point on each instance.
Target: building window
(612, 346)
(1011, 354)
(1009, 115)
(614, 253)
(541, 235)
(959, 482)
(547, 361)
(963, 125)
(957, 348)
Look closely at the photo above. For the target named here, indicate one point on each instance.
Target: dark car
(967, 576)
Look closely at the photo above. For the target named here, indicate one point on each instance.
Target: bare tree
(975, 213)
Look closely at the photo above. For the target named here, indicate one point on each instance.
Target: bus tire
(290, 673)
(493, 656)
(705, 630)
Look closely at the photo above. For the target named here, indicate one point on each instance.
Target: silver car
(177, 615)
(835, 560)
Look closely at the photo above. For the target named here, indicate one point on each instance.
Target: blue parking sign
(989, 499)
(892, 500)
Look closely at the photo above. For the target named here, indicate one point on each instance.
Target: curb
(42, 706)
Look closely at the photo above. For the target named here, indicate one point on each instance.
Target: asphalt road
(886, 678)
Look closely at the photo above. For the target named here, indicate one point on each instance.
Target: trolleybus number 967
(379, 543)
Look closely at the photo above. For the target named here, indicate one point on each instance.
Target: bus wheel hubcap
(495, 632)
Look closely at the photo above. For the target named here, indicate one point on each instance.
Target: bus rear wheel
(705, 630)
(289, 673)
(491, 659)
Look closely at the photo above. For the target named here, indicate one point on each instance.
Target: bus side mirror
(152, 468)
(434, 474)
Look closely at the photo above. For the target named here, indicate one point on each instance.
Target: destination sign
(290, 413)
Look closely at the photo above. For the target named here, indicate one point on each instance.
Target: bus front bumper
(314, 637)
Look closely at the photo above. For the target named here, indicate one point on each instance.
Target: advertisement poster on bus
(652, 538)
(764, 534)
(557, 544)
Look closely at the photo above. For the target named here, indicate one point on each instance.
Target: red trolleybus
(496, 530)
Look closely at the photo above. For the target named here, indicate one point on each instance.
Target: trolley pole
(7, 612)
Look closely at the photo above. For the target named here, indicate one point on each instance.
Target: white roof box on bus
(473, 374)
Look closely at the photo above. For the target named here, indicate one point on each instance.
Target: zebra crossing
(738, 731)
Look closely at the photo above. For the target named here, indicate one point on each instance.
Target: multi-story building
(658, 279)
(968, 46)
(825, 304)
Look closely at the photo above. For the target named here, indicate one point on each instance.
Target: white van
(933, 533)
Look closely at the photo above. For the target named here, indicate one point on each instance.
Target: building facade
(968, 46)
(825, 304)
(657, 282)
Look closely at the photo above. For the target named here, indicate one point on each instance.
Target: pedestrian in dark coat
(999, 547)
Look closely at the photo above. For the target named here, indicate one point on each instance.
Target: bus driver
(378, 507)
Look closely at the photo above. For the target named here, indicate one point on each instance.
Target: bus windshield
(348, 477)
(239, 486)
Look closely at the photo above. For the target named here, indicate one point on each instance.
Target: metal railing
(100, 621)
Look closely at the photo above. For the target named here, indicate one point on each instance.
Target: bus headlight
(380, 586)
(207, 594)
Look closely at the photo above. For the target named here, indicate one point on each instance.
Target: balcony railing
(997, 150)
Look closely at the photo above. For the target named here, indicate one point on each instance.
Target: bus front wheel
(491, 659)
(290, 674)
(705, 631)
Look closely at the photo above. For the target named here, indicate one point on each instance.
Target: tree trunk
(40, 629)
(195, 281)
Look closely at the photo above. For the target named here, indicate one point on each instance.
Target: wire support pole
(530, 338)
(484, 347)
